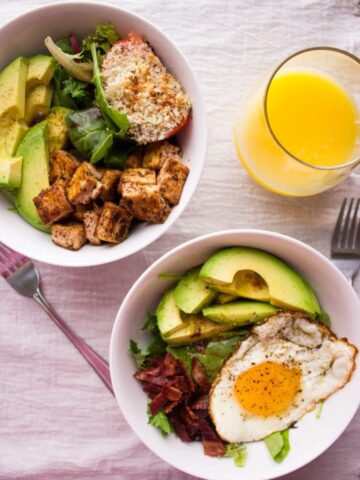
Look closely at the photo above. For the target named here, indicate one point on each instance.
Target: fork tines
(346, 235)
(10, 261)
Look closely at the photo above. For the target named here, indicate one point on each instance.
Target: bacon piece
(202, 403)
(199, 375)
(213, 446)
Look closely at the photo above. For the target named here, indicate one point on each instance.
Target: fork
(345, 242)
(24, 277)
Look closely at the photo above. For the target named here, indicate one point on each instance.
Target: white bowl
(313, 435)
(25, 36)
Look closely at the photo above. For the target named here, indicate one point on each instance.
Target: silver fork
(345, 242)
(24, 277)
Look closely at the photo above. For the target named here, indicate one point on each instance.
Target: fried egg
(280, 372)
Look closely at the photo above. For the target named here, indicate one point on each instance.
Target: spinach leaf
(278, 445)
(89, 133)
(116, 159)
(119, 120)
(82, 93)
(138, 354)
(161, 421)
(238, 452)
(213, 355)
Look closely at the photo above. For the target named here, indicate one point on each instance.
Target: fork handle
(100, 366)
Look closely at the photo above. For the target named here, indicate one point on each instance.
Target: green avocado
(192, 293)
(12, 91)
(196, 328)
(287, 288)
(246, 284)
(239, 313)
(40, 71)
(10, 172)
(38, 103)
(223, 298)
(35, 173)
(168, 314)
(57, 131)
(10, 137)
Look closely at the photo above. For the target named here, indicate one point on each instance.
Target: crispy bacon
(185, 400)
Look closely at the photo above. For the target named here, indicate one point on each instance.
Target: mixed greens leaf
(104, 37)
(160, 421)
(278, 445)
(211, 357)
(238, 452)
(156, 347)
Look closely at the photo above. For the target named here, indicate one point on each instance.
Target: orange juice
(312, 117)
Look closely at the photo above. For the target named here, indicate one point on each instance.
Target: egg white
(326, 364)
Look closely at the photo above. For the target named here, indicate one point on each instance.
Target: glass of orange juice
(298, 131)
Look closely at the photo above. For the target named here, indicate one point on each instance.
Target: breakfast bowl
(24, 36)
(313, 433)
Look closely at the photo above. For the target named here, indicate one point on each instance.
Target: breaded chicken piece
(156, 153)
(145, 202)
(171, 180)
(137, 83)
(52, 204)
(114, 223)
(62, 165)
(70, 235)
(84, 185)
(110, 181)
(91, 220)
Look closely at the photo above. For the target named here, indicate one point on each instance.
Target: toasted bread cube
(62, 166)
(135, 159)
(171, 180)
(52, 204)
(156, 154)
(141, 176)
(70, 235)
(110, 181)
(84, 185)
(145, 202)
(114, 223)
(91, 220)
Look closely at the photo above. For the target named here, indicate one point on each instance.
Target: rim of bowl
(72, 260)
(306, 458)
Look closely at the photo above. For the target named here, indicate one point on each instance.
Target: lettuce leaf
(278, 445)
(160, 421)
(238, 452)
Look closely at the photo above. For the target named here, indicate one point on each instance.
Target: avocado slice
(239, 313)
(287, 288)
(57, 130)
(12, 88)
(35, 173)
(168, 314)
(10, 137)
(246, 284)
(38, 102)
(224, 298)
(196, 328)
(192, 293)
(40, 71)
(10, 172)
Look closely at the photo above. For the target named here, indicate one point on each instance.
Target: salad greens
(319, 410)
(156, 347)
(104, 37)
(213, 355)
(238, 452)
(278, 445)
(160, 421)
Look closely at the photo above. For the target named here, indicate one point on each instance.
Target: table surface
(56, 418)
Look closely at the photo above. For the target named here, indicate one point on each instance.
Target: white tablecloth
(57, 421)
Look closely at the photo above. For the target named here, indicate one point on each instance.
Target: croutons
(156, 154)
(80, 210)
(134, 159)
(114, 223)
(110, 181)
(70, 235)
(141, 176)
(52, 204)
(91, 220)
(84, 185)
(171, 179)
(145, 202)
(62, 165)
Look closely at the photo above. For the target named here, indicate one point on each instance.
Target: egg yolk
(267, 388)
